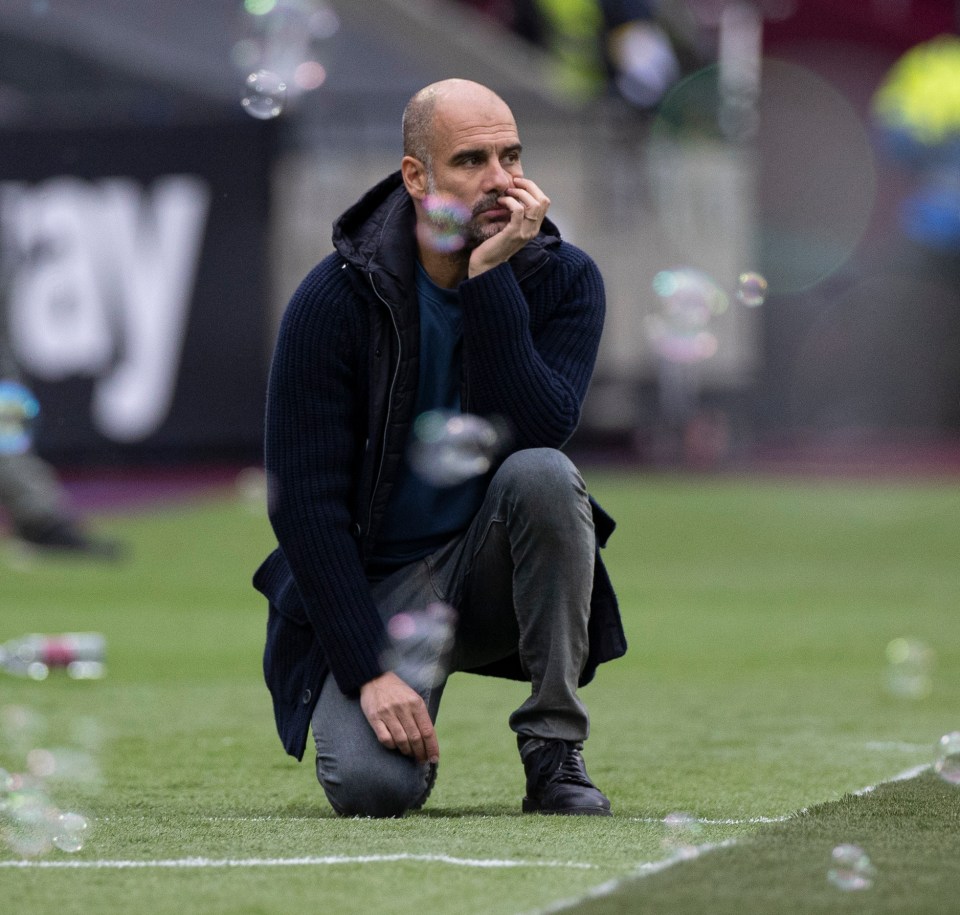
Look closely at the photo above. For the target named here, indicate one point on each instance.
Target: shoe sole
(530, 806)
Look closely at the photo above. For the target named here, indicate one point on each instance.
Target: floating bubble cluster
(444, 228)
(947, 759)
(910, 665)
(808, 219)
(276, 52)
(850, 868)
(19, 411)
(31, 822)
(420, 645)
(451, 448)
(689, 300)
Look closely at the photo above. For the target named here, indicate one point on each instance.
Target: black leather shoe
(557, 782)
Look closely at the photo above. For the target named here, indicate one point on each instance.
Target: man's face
(475, 155)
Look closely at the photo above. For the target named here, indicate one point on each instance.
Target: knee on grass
(385, 787)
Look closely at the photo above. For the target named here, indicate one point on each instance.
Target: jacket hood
(377, 233)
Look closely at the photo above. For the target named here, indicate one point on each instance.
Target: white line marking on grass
(646, 869)
(261, 819)
(706, 821)
(904, 776)
(173, 863)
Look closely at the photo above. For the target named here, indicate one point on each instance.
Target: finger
(421, 735)
(415, 744)
(531, 206)
(512, 204)
(431, 746)
(533, 210)
(525, 220)
(399, 737)
(383, 734)
(525, 184)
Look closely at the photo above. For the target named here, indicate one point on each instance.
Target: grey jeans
(519, 579)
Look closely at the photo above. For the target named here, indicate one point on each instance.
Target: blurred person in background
(600, 46)
(393, 325)
(31, 494)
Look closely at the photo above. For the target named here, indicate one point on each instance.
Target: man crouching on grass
(505, 325)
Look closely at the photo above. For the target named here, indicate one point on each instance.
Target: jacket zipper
(386, 421)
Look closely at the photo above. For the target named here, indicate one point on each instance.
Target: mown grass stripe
(784, 868)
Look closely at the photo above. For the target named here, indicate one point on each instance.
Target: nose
(497, 178)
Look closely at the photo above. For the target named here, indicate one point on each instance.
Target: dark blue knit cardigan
(339, 403)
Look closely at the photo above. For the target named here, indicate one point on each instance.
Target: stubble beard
(474, 233)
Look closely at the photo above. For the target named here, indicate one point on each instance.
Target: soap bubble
(324, 22)
(63, 764)
(6, 789)
(259, 7)
(27, 818)
(20, 727)
(41, 763)
(69, 831)
(451, 448)
(947, 761)
(850, 868)
(264, 95)
(279, 38)
(445, 225)
(690, 294)
(751, 289)
(420, 645)
(19, 411)
(681, 834)
(808, 219)
(678, 346)
(689, 300)
(251, 488)
(310, 75)
(909, 665)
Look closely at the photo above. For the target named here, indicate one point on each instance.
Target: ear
(414, 174)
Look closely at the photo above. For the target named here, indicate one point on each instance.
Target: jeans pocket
(443, 569)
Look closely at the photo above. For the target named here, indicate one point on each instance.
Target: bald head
(447, 98)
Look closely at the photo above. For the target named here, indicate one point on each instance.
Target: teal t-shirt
(421, 517)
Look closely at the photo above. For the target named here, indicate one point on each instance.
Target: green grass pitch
(752, 698)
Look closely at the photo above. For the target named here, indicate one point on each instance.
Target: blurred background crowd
(771, 188)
